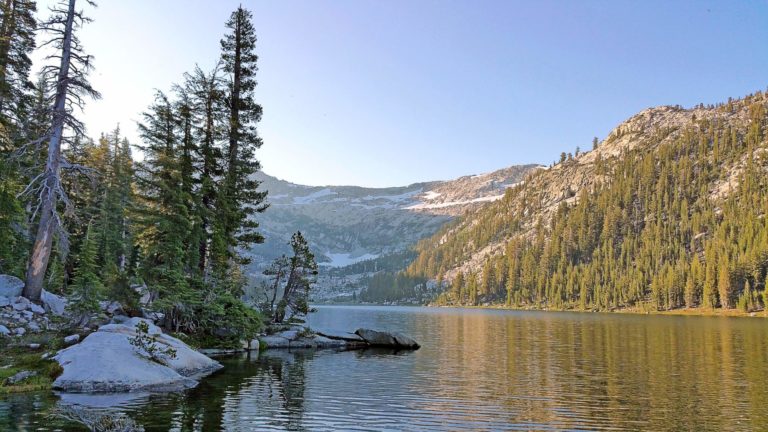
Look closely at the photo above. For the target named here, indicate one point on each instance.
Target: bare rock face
(10, 286)
(106, 361)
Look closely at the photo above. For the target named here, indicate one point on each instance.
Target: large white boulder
(10, 286)
(105, 361)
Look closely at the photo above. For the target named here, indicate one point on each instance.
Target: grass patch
(18, 357)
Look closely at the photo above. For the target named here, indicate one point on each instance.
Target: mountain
(349, 224)
(667, 212)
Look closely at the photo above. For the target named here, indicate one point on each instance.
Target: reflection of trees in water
(572, 371)
(18, 412)
(250, 391)
(583, 371)
(286, 379)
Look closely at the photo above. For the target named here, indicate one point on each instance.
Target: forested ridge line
(668, 212)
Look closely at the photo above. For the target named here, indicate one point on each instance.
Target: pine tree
(300, 274)
(17, 40)
(240, 197)
(206, 103)
(765, 294)
(724, 287)
(87, 288)
(457, 286)
(12, 247)
(709, 293)
(71, 87)
(17, 26)
(163, 217)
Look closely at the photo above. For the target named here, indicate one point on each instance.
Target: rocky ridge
(349, 224)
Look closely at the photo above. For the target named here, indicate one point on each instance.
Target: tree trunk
(41, 249)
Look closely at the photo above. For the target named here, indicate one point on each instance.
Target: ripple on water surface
(476, 370)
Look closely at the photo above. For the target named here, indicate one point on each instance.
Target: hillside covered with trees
(668, 212)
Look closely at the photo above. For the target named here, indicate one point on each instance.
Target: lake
(477, 370)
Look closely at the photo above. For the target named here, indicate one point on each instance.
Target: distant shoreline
(735, 313)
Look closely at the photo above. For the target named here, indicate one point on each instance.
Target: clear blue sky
(380, 93)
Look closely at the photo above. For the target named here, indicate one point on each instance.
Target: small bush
(148, 345)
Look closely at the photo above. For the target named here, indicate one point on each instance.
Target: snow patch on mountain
(313, 196)
(424, 206)
(345, 259)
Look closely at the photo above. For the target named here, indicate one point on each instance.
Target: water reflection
(477, 370)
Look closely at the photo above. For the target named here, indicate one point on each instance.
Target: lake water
(477, 370)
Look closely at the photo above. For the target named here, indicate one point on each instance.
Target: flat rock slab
(105, 361)
(339, 334)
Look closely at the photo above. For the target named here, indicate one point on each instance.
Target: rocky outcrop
(386, 339)
(339, 334)
(329, 338)
(19, 316)
(106, 361)
(300, 339)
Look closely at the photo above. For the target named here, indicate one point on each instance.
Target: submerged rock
(106, 361)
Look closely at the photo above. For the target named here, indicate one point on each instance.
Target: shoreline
(728, 313)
